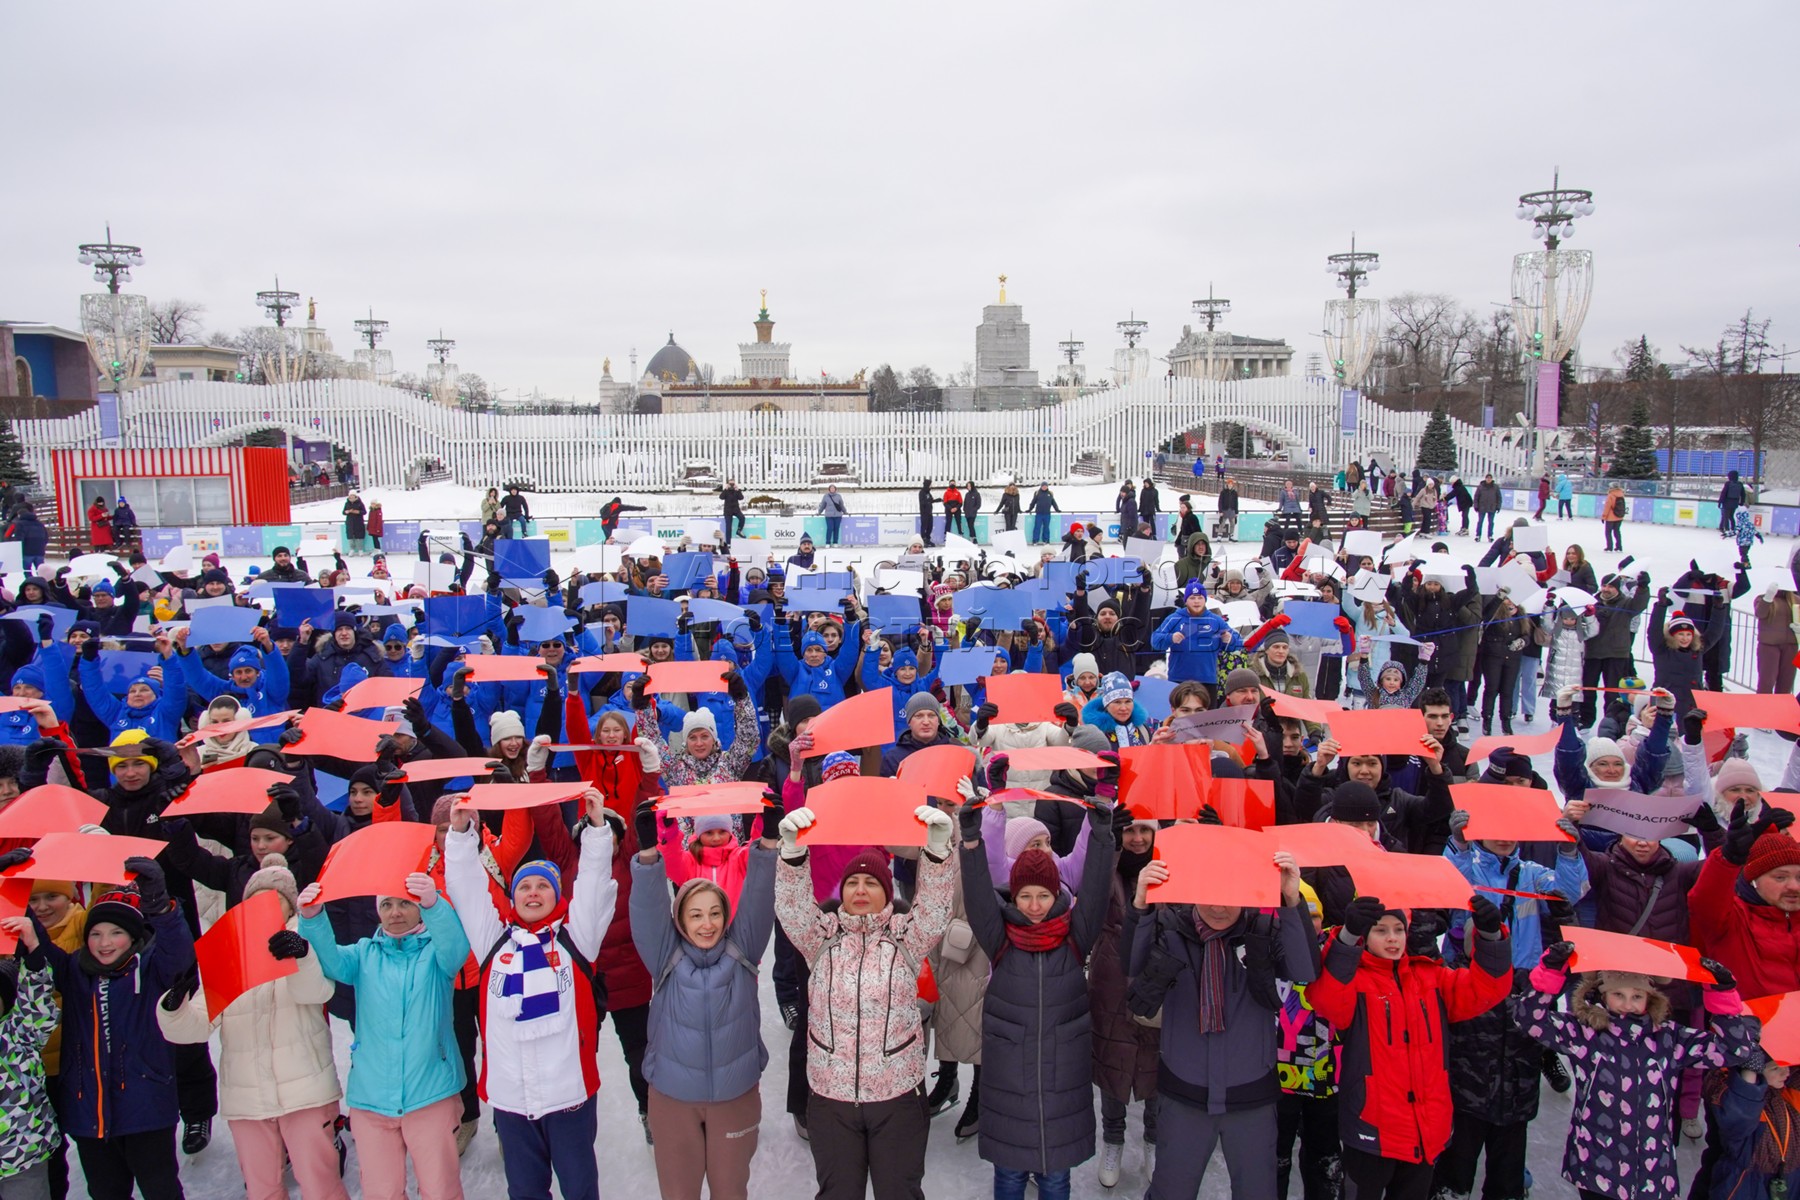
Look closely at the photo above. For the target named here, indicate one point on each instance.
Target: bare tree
(176, 322)
(922, 377)
(1766, 406)
(1431, 340)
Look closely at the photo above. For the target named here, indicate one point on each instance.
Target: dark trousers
(1565, 508)
(559, 1142)
(734, 519)
(465, 1012)
(1600, 672)
(1505, 1146)
(1487, 517)
(1371, 1177)
(1313, 1120)
(1727, 514)
(799, 1091)
(196, 1083)
(114, 1165)
(952, 518)
(1498, 675)
(59, 1157)
(632, 1027)
(855, 1145)
(1615, 534)
(970, 512)
(787, 979)
(1040, 527)
(832, 527)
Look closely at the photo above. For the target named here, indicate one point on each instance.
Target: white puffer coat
(1003, 739)
(275, 1046)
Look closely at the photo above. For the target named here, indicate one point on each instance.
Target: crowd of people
(1002, 970)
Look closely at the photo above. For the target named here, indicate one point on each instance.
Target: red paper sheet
(15, 900)
(1411, 881)
(14, 704)
(1244, 803)
(1597, 950)
(327, 734)
(435, 770)
(1216, 864)
(628, 664)
(1324, 843)
(234, 954)
(1053, 758)
(1780, 1017)
(1319, 712)
(227, 728)
(713, 803)
(85, 857)
(938, 769)
(1169, 782)
(497, 797)
(1526, 744)
(747, 786)
(1024, 697)
(49, 808)
(1005, 794)
(504, 668)
(381, 691)
(704, 676)
(375, 860)
(1742, 710)
(1379, 731)
(1508, 814)
(864, 812)
(863, 720)
(240, 790)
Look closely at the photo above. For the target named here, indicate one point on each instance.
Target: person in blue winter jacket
(1193, 638)
(41, 679)
(146, 704)
(404, 659)
(1114, 711)
(1496, 864)
(902, 675)
(814, 671)
(259, 678)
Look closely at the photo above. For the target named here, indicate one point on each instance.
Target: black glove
(985, 714)
(1704, 820)
(755, 620)
(415, 715)
(735, 687)
(1557, 956)
(90, 649)
(153, 888)
(180, 988)
(969, 818)
(1361, 914)
(288, 944)
(970, 627)
(1693, 724)
(13, 858)
(998, 768)
(1740, 835)
(1723, 979)
(41, 753)
(684, 624)
(1210, 816)
(636, 692)
(771, 819)
(1068, 714)
(287, 800)
(46, 627)
(1780, 817)
(289, 736)
(1122, 817)
(1485, 913)
(643, 820)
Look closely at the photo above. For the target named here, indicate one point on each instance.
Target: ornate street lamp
(441, 376)
(1210, 309)
(117, 327)
(1353, 324)
(280, 361)
(1551, 288)
(378, 363)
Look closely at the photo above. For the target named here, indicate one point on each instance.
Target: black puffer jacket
(1494, 1067)
(1037, 1092)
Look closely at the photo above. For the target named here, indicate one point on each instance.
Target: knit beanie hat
(1034, 868)
(270, 820)
(1601, 747)
(1243, 677)
(1089, 738)
(699, 718)
(712, 822)
(840, 765)
(1353, 801)
(1517, 766)
(119, 907)
(1772, 850)
(1019, 833)
(1679, 620)
(1193, 588)
(922, 702)
(131, 737)
(53, 887)
(874, 864)
(803, 707)
(543, 869)
(1278, 637)
(1083, 664)
(1736, 772)
(1114, 687)
(504, 724)
(274, 876)
(440, 808)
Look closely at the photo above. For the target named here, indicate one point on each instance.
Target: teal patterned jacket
(28, 1129)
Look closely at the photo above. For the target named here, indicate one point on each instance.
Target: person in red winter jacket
(1390, 1009)
(1742, 907)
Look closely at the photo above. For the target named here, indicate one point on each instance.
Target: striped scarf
(535, 988)
(1215, 947)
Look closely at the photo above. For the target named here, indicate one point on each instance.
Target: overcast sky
(558, 182)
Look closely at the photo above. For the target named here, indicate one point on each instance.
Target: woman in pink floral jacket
(865, 1047)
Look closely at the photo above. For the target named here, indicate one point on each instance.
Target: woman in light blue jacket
(705, 1054)
(406, 1074)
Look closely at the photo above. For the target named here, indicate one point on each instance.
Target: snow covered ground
(783, 1165)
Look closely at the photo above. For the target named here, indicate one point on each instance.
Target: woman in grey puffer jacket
(705, 1055)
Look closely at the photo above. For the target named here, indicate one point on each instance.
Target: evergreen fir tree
(1640, 362)
(1437, 446)
(1636, 452)
(14, 468)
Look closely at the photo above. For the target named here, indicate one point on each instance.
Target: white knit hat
(699, 718)
(504, 724)
(1083, 664)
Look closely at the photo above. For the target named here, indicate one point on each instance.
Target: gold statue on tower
(1003, 289)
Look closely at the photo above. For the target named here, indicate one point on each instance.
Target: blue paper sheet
(269, 587)
(294, 605)
(894, 614)
(522, 561)
(60, 618)
(1112, 572)
(333, 791)
(686, 571)
(839, 581)
(455, 619)
(998, 608)
(1312, 618)
(605, 591)
(119, 667)
(647, 616)
(703, 609)
(542, 624)
(965, 667)
(1154, 695)
(805, 600)
(221, 624)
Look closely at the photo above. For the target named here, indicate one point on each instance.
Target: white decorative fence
(386, 429)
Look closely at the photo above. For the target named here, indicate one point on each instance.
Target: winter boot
(945, 1091)
(1111, 1156)
(1487, 725)
(969, 1124)
(1506, 725)
(1555, 1072)
(465, 1134)
(195, 1135)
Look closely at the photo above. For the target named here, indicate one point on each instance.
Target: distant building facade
(1203, 354)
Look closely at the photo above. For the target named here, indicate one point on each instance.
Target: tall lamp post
(1352, 329)
(1551, 288)
(1131, 364)
(1071, 348)
(1210, 310)
(441, 375)
(380, 363)
(278, 365)
(117, 326)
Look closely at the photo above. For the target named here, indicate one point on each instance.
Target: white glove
(1769, 592)
(537, 754)
(417, 649)
(1565, 697)
(649, 755)
(965, 787)
(938, 830)
(791, 825)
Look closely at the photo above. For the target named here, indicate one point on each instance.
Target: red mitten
(1344, 626)
(1282, 621)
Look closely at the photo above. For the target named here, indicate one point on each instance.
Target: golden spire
(1003, 289)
